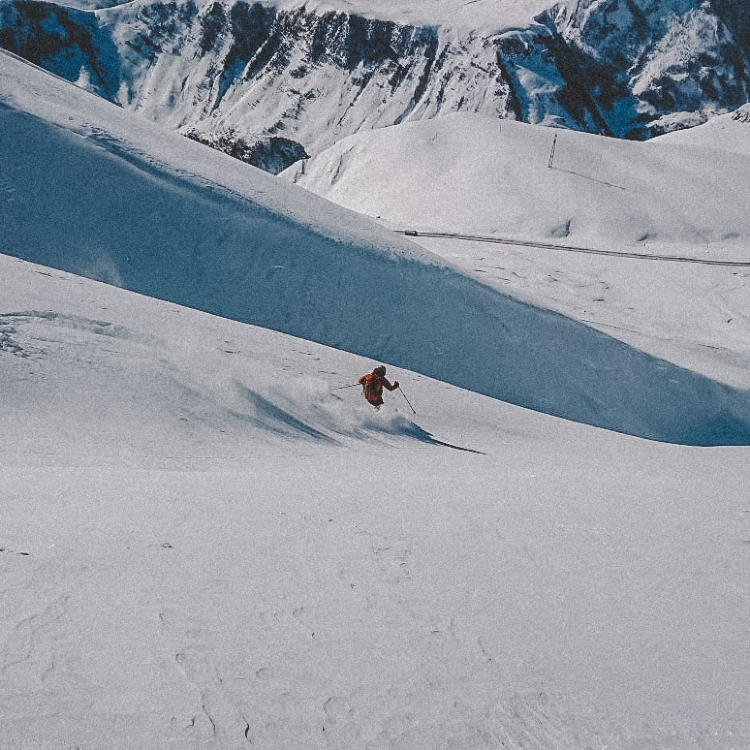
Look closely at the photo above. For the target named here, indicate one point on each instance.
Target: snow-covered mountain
(274, 82)
(209, 540)
(171, 219)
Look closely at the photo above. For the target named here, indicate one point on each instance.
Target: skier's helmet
(380, 370)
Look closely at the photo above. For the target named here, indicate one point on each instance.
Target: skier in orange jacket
(373, 384)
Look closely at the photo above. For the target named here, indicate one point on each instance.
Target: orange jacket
(373, 385)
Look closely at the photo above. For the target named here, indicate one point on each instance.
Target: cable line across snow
(573, 248)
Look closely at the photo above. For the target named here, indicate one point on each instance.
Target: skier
(373, 384)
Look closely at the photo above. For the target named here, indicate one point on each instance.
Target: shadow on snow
(84, 209)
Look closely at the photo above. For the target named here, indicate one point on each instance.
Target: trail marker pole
(552, 152)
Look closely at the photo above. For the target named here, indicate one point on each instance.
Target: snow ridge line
(573, 248)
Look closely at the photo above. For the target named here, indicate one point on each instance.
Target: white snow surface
(205, 545)
(102, 194)
(478, 14)
(683, 196)
(209, 542)
(730, 132)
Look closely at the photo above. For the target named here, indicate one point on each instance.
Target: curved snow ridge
(728, 132)
(79, 208)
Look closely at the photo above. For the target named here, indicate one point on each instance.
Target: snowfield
(210, 541)
(206, 545)
(555, 193)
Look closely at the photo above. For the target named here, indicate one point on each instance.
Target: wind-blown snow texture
(159, 232)
(272, 82)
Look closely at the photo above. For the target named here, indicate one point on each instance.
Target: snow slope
(599, 190)
(730, 132)
(204, 545)
(670, 197)
(207, 541)
(168, 218)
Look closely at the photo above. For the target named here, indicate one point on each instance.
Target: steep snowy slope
(630, 202)
(157, 214)
(273, 82)
(204, 545)
(127, 390)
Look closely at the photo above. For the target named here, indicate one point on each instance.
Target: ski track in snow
(574, 249)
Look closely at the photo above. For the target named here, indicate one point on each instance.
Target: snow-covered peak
(273, 82)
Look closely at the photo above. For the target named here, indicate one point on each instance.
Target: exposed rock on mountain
(681, 61)
(272, 154)
(272, 83)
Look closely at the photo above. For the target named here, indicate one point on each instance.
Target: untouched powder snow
(204, 544)
(467, 173)
(99, 194)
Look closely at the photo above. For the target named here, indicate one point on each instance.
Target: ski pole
(341, 388)
(407, 400)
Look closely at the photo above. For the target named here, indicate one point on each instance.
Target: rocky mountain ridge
(273, 84)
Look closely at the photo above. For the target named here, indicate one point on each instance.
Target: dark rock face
(295, 81)
(272, 154)
(678, 61)
(63, 40)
